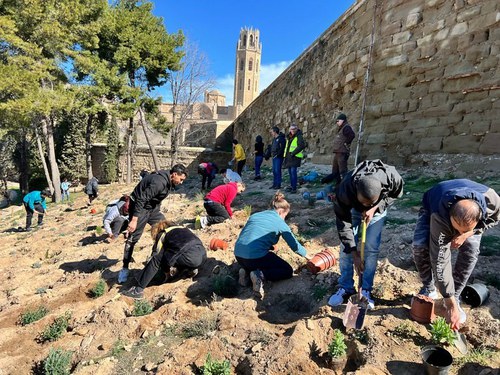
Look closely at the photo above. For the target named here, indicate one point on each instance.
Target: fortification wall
(433, 87)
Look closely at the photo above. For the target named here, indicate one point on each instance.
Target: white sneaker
(429, 293)
(338, 298)
(366, 294)
(123, 275)
(203, 221)
(258, 283)
(243, 277)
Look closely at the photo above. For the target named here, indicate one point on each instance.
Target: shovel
(460, 342)
(355, 312)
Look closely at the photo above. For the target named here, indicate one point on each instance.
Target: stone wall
(433, 86)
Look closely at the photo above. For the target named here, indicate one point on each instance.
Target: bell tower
(247, 70)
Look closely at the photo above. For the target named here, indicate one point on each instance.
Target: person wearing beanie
(341, 150)
(363, 194)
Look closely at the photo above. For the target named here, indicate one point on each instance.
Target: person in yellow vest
(293, 155)
(239, 156)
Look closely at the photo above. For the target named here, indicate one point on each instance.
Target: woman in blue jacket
(256, 240)
(35, 202)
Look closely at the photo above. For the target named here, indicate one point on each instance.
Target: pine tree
(110, 164)
(72, 161)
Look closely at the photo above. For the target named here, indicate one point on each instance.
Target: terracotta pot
(93, 211)
(437, 360)
(321, 261)
(216, 244)
(422, 309)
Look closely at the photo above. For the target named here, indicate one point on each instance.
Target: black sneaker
(135, 292)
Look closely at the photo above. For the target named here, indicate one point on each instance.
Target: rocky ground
(288, 332)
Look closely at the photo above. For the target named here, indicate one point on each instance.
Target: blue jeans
(292, 171)
(372, 245)
(277, 163)
(258, 163)
(65, 194)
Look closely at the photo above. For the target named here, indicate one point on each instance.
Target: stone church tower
(247, 71)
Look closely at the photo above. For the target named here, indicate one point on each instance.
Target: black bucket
(475, 294)
(437, 360)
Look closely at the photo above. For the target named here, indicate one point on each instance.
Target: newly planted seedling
(441, 332)
(142, 307)
(99, 289)
(337, 347)
(57, 328)
(58, 362)
(215, 367)
(31, 316)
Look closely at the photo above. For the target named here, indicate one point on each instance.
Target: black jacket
(346, 196)
(278, 146)
(150, 191)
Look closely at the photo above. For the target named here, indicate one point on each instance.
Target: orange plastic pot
(422, 309)
(93, 211)
(216, 244)
(321, 261)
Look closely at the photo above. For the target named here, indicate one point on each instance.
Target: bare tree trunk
(54, 168)
(151, 147)
(42, 158)
(23, 164)
(88, 147)
(130, 136)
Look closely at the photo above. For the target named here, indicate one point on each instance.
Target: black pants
(272, 266)
(204, 178)
(151, 217)
(118, 225)
(30, 212)
(240, 165)
(189, 257)
(216, 212)
(339, 166)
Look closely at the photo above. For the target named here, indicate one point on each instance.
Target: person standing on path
(277, 152)
(92, 189)
(145, 203)
(293, 155)
(65, 185)
(239, 156)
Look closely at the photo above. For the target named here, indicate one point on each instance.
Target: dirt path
(286, 333)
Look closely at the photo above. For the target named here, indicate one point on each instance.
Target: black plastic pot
(475, 294)
(437, 360)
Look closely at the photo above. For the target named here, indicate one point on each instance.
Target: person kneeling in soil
(217, 203)
(253, 247)
(454, 214)
(177, 251)
(115, 220)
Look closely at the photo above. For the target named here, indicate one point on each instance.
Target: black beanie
(341, 116)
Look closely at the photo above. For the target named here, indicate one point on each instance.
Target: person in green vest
(293, 155)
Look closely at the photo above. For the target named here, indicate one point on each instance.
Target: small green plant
(31, 316)
(319, 292)
(441, 332)
(337, 347)
(57, 328)
(118, 347)
(99, 289)
(224, 285)
(404, 330)
(214, 367)
(58, 362)
(200, 328)
(247, 210)
(479, 355)
(142, 307)
(261, 335)
(98, 230)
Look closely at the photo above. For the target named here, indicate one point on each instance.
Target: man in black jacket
(363, 194)
(277, 151)
(145, 202)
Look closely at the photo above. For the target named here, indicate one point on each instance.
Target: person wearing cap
(277, 152)
(363, 194)
(454, 214)
(35, 202)
(293, 155)
(341, 150)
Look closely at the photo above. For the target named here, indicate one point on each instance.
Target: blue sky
(286, 29)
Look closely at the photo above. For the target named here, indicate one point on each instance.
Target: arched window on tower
(250, 64)
(248, 85)
(257, 66)
(251, 41)
(244, 40)
(242, 64)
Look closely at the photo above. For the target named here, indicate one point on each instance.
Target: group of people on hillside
(454, 215)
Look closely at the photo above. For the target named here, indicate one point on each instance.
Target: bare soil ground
(288, 332)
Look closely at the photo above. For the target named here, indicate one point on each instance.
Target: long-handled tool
(355, 312)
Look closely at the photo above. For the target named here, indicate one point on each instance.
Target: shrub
(99, 289)
(214, 367)
(142, 307)
(57, 328)
(319, 292)
(58, 362)
(31, 316)
(441, 332)
(200, 328)
(337, 347)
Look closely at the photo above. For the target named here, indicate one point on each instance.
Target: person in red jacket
(217, 203)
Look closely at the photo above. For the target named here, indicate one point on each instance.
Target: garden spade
(355, 312)
(460, 342)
